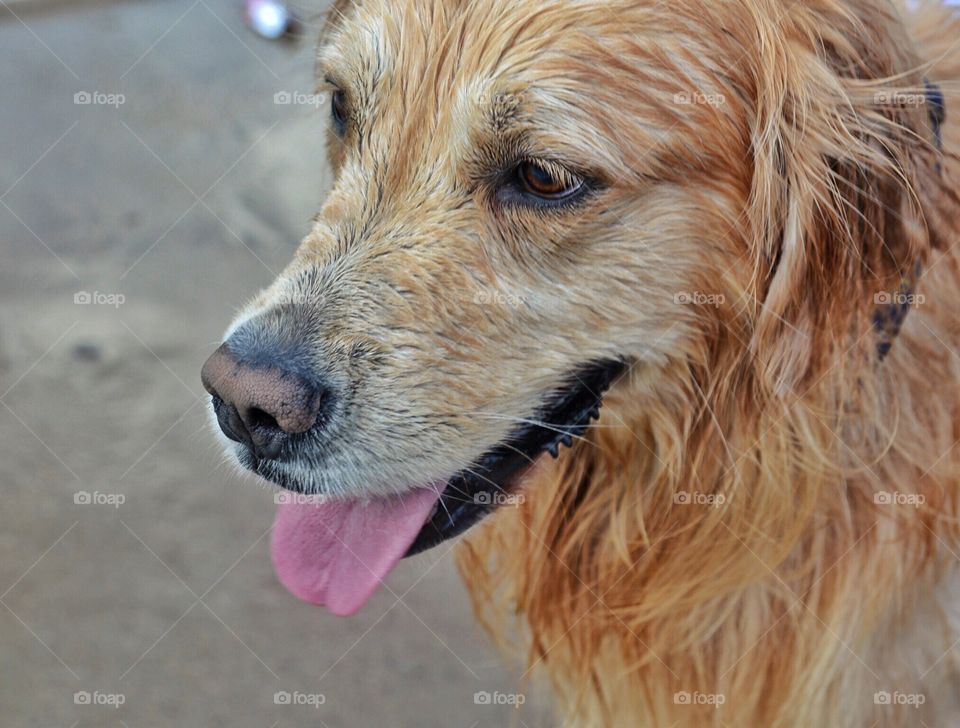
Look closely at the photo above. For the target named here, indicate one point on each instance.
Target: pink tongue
(337, 553)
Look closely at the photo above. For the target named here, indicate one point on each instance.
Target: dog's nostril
(266, 435)
(229, 420)
(258, 419)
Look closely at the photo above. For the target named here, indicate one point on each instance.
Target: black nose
(260, 406)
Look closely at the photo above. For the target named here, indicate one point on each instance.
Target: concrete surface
(184, 199)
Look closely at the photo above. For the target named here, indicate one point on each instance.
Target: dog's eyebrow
(330, 74)
(503, 110)
(367, 61)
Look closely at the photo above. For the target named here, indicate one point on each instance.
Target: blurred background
(159, 163)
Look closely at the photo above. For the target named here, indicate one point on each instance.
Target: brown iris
(547, 180)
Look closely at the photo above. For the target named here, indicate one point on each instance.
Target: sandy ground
(184, 199)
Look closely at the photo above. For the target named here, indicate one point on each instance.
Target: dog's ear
(849, 193)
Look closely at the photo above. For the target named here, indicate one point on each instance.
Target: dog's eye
(338, 109)
(548, 181)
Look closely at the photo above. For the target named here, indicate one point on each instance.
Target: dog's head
(535, 201)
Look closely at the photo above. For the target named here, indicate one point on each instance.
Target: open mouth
(476, 491)
(337, 553)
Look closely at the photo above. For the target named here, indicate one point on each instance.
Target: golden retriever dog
(734, 224)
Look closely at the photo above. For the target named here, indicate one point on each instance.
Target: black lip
(476, 491)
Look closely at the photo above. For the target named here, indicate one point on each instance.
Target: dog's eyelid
(330, 79)
(566, 174)
(329, 83)
(570, 182)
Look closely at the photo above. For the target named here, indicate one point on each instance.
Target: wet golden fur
(790, 192)
(800, 597)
